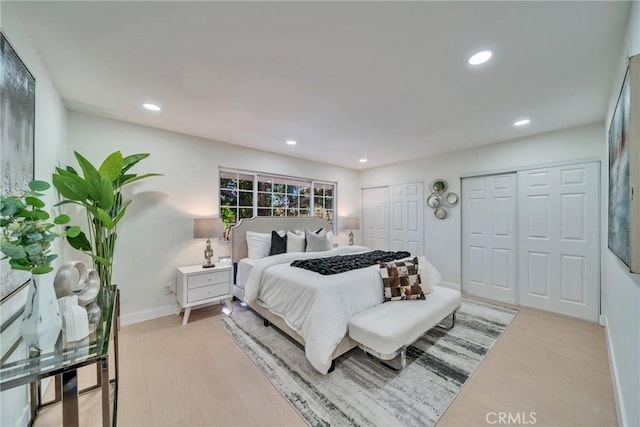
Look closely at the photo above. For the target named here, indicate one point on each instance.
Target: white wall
(443, 237)
(155, 237)
(50, 149)
(621, 289)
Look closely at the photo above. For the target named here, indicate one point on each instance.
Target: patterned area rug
(362, 392)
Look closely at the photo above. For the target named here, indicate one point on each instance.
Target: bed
(311, 308)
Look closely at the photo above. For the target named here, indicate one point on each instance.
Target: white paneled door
(558, 239)
(489, 240)
(375, 217)
(406, 203)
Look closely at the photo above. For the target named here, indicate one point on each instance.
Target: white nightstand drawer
(207, 279)
(208, 292)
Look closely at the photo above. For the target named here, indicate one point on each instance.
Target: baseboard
(617, 392)
(154, 313)
(454, 286)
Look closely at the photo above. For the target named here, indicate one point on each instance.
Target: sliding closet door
(407, 218)
(558, 238)
(375, 217)
(489, 239)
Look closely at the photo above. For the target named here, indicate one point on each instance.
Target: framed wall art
(17, 131)
(624, 171)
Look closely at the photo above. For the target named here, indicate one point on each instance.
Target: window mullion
(255, 194)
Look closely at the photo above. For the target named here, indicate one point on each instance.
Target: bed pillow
(295, 241)
(278, 243)
(316, 241)
(401, 281)
(429, 276)
(330, 239)
(258, 244)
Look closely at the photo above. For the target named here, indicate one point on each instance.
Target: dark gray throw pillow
(278, 243)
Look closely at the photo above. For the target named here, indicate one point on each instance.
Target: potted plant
(27, 233)
(98, 190)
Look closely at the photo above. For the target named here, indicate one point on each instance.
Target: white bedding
(317, 307)
(244, 268)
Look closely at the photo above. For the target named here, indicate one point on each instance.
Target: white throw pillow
(316, 242)
(330, 239)
(295, 241)
(429, 275)
(258, 244)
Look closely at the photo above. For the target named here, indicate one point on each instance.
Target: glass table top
(64, 355)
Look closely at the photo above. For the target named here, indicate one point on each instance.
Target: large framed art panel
(17, 132)
(624, 171)
(619, 202)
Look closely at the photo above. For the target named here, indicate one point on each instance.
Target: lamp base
(208, 265)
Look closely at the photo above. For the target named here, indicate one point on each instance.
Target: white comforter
(317, 307)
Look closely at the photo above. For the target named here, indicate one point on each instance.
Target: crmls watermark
(517, 418)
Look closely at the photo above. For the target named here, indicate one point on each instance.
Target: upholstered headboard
(266, 224)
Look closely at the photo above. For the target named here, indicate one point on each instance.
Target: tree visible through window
(247, 194)
(323, 200)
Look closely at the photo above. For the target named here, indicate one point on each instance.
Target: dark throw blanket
(341, 263)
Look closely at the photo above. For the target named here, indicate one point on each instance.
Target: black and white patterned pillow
(401, 281)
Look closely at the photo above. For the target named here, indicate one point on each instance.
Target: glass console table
(64, 361)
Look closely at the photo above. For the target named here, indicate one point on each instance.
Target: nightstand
(197, 285)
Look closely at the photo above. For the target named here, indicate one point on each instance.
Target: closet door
(489, 239)
(558, 238)
(407, 218)
(375, 217)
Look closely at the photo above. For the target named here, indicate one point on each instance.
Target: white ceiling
(387, 81)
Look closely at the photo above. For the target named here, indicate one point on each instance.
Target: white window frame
(256, 174)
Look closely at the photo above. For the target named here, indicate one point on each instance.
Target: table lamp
(350, 223)
(206, 228)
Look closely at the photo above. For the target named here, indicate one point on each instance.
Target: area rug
(362, 392)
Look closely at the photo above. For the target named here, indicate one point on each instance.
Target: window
(283, 196)
(236, 196)
(323, 200)
(248, 194)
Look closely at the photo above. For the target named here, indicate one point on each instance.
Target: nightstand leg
(227, 302)
(185, 319)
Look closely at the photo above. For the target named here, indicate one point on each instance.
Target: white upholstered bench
(385, 331)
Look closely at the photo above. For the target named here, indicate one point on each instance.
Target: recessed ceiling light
(522, 122)
(152, 107)
(363, 160)
(480, 57)
(291, 142)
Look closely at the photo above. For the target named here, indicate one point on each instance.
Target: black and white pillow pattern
(401, 280)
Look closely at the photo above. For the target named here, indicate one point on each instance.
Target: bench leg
(333, 366)
(402, 356)
(453, 322)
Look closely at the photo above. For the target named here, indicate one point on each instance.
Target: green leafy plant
(28, 231)
(98, 190)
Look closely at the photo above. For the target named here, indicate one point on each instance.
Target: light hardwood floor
(552, 366)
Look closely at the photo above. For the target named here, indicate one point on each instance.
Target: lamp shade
(350, 223)
(205, 228)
